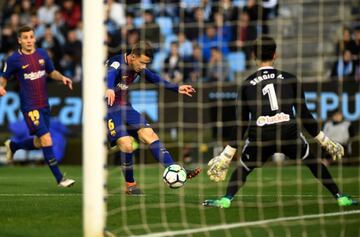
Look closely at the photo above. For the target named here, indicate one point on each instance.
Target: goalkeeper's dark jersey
(271, 104)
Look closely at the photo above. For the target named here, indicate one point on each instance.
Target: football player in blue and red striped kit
(122, 70)
(31, 66)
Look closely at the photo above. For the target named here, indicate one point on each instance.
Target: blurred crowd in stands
(195, 40)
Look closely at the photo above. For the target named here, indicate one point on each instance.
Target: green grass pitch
(32, 205)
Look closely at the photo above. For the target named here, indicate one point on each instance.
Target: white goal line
(244, 224)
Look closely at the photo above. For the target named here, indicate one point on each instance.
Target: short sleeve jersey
(31, 71)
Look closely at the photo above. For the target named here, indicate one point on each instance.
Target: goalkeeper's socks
(230, 197)
(127, 166)
(52, 162)
(161, 154)
(27, 144)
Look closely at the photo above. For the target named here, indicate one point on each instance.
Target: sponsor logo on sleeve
(115, 65)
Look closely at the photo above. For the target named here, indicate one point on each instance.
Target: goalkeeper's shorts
(256, 153)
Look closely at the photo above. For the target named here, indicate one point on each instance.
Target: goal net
(207, 44)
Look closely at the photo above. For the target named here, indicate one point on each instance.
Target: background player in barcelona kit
(122, 70)
(31, 66)
(271, 106)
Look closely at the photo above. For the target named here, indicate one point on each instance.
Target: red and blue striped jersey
(31, 70)
(120, 76)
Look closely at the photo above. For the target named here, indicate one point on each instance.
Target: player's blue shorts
(38, 121)
(122, 121)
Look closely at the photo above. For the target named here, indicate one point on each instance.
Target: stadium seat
(237, 63)
(239, 3)
(138, 21)
(165, 24)
(168, 40)
(158, 61)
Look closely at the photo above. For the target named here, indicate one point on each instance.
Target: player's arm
(333, 148)
(112, 72)
(156, 79)
(3, 83)
(56, 75)
(53, 73)
(8, 71)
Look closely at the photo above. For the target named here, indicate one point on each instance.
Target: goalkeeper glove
(219, 165)
(333, 148)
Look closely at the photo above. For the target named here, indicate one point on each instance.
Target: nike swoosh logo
(24, 66)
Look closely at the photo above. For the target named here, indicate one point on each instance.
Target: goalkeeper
(271, 107)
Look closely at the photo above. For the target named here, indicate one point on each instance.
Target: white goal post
(94, 152)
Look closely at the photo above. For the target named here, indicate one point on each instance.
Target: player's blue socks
(27, 144)
(127, 166)
(52, 162)
(161, 154)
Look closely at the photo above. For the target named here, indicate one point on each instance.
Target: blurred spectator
(169, 8)
(195, 28)
(26, 11)
(257, 15)
(36, 24)
(132, 38)
(71, 62)
(217, 67)
(129, 26)
(71, 13)
(194, 66)
(245, 34)
(49, 42)
(223, 28)
(59, 28)
(185, 46)
(189, 8)
(150, 30)
(116, 13)
(7, 10)
(173, 68)
(345, 42)
(46, 13)
(343, 67)
(271, 8)
(339, 130)
(228, 10)
(355, 46)
(212, 39)
(9, 34)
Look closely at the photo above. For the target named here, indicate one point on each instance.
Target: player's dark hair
(23, 29)
(143, 48)
(264, 48)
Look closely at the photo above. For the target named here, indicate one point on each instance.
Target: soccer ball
(174, 176)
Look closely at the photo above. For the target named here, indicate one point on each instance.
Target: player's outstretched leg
(192, 173)
(321, 172)
(160, 153)
(237, 180)
(11, 147)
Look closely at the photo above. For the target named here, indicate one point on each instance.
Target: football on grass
(174, 176)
